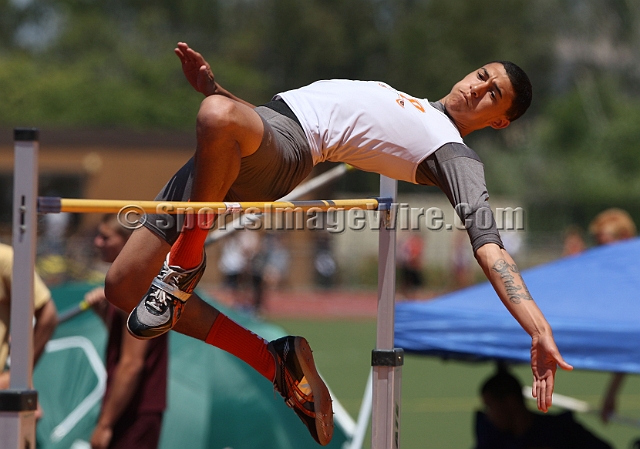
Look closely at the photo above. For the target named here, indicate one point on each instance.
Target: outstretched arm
(505, 277)
(199, 74)
(458, 171)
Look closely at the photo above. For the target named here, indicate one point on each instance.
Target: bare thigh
(282, 161)
(135, 267)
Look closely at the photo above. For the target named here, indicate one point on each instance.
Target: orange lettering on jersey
(414, 102)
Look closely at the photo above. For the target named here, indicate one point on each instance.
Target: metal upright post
(386, 360)
(18, 404)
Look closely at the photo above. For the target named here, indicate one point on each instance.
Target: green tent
(215, 400)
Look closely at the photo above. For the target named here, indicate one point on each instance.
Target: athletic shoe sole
(321, 397)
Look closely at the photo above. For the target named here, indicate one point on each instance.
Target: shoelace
(158, 299)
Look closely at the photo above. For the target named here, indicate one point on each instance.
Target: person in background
(135, 396)
(238, 253)
(324, 261)
(608, 227)
(573, 242)
(611, 226)
(461, 261)
(45, 313)
(269, 267)
(410, 266)
(507, 423)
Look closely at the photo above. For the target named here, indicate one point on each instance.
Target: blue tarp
(591, 300)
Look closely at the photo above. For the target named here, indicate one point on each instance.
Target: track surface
(320, 304)
(310, 304)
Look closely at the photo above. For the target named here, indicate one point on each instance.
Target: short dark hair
(113, 221)
(503, 385)
(521, 87)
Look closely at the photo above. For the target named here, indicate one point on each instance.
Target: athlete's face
(481, 99)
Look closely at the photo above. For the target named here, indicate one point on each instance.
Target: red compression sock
(244, 344)
(186, 252)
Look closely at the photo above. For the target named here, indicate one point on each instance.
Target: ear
(500, 123)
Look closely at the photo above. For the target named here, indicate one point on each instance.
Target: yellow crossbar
(87, 206)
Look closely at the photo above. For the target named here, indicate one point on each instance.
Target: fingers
(179, 54)
(181, 51)
(95, 296)
(542, 390)
(187, 55)
(564, 365)
(549, 386)
(542, 396)
(545, 359)
(543, 386)
(546, 385)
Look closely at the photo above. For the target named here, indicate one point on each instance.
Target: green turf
(439, 397)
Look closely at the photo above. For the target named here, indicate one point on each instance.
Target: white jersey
(370, 125)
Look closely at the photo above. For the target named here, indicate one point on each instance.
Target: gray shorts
(282, 161)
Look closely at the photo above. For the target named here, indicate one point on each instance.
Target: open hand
(545, 358)
(95, 297)
(196, 69)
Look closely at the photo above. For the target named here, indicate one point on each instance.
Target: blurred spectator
(238, 251)
(277, 264)
(268, 267)
(46, 316)
(410, 254)
(461, 260)
(135, 397)
(573, 242)
(324, 262)
(611, 226)
(507, 423)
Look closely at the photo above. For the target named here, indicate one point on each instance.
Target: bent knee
(217, 113)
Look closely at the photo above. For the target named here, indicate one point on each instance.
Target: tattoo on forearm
(513, 283)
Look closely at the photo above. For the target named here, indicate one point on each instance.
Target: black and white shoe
(161, 307)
